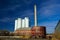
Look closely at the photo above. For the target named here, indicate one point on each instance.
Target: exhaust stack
(35, 15)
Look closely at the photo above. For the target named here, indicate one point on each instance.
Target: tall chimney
(35, 15)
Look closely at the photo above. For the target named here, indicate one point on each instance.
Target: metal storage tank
(39, 31)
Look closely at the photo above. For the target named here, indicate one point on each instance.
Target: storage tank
(39, 31)
(23, 23)
(26, 22)
(19, 23)
(16, 24)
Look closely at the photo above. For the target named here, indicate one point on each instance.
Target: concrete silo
(23, 23)
(16, 24)
(26, 22)
(19, 23)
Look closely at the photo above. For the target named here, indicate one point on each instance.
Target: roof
(57, 26)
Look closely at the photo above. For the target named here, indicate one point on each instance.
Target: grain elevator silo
(23, 23)
(26, 22)
(19, 23)
(16, 24)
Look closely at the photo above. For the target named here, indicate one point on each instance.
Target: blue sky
(48, 13)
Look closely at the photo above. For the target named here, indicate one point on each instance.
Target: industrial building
(56, 35)
(23, 30)
(39, 32)
(22, 27)
(57, 28)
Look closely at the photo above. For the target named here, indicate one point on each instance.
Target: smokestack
(35, 15)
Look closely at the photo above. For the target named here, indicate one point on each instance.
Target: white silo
(26, 22)
(19, 23)
(23, 23)
(16, 24)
